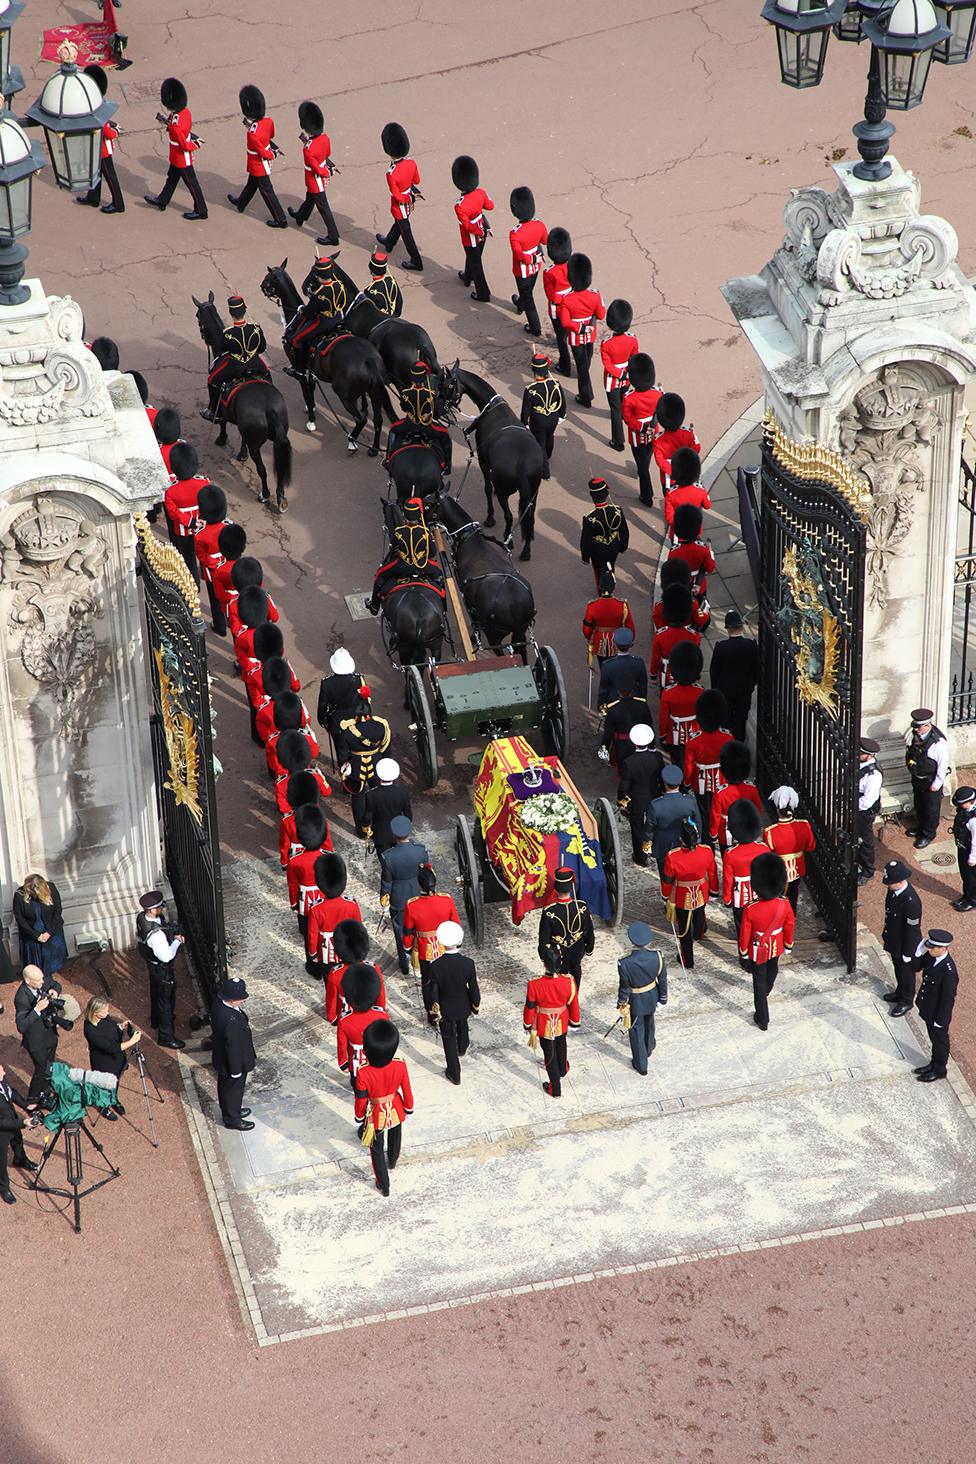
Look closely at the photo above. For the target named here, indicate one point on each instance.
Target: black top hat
(252, 103)
(620, 315)
(380, 1042)
(464, 173)
(522, 203)
(310, 118)
(172, 94)
(330, 869)
(350, 937)
(394, 140)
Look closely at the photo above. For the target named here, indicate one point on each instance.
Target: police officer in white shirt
(868, 804)
(159, 949)
(927, 758)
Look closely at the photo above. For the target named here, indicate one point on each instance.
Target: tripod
(137, 1053)
(72, 1131)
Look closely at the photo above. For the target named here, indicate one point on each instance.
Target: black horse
(510, 459)
(257, 409)
(415, 472)
(350, 365)
(414, 615)
(499, 601)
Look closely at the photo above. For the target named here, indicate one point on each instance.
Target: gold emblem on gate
(814, 631)
(182, 747)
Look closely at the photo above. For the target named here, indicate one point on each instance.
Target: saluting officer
(605, 533)
(868, 804)
(319, 167)
(543, 407)
(643, 987)
(261, 151)
(935, 1000)
(383, 289)
(964, 833)
(183, 143)
(360, 743)
(470, 209)
(567, 926)
(451, 996)
(403, 181)
(233, 1052)
(901, 934)
(244, 342)
(927, 759)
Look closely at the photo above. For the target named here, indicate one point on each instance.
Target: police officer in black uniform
(734, 671)
(643, 987)
(640, 783)
(233, 1052)
(244, 341)
(159, 948)
(604, 534)
(543, 407)
(383, 289)
(935, 1000)
(927, 759)
(964, 833)
(567, 926)
(901, 933)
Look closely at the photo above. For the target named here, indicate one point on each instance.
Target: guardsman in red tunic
(269, 645)
(685, 487)
(319, 167)
(312, 838)
(551, 1008)
(735, 763)
(183, 143)
(301, 788)
(745, 828)
(677, 610)
(290, 715)
(383, 289)
(527, 239)
(384, 1099)
(543, 407)
(579, 311)
(677, 572)
(294, 752)
(248, 591)
(639, 407)
(422, 915)
(471, 206)
(212, 511)
(403, 181)
(689, 875)
(182, 502)
(261, 151)
(110, 135)
(168, 430)
(766, 931)
(555, 283)
(696, 553)
(703, 750)
(350, 943)
(361, 991)
(276, 680)
(615, 353)
(677, 714)
(791, 838)
(672, 435)
(602, 617)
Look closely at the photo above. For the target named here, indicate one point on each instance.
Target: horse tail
(281, 447)
(378, 393)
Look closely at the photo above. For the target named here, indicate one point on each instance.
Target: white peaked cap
(449, 934)
(784, 797)
(387, 770)
(641, 734)
(341, 662)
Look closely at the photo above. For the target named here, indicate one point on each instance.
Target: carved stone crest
(50, 557)
(50, 372)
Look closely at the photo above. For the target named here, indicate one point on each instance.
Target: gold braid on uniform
(547, 397)
(572, 924)
(244, 343)
(329, 293)
(412, 543)
(609, 517)
(418, 404)
(381, 294)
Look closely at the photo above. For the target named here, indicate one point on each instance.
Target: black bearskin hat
(640, 369)
(685, 663)
(380, 1042)
(232, 541)
(464, 173)
(142, 386)
(212, 504)
(310, 118)
(350, 937)
(106, 353)
(310, 826)
(167, 426)
(711, 710)
(768, 876)
(276, 677)
(676, 605)
(172, 94)
(745, 824)
(98, 77)
(303, 788)
(735, 760)
(580, 272)
(559, 245)
(685, 467)
(620, 315)
(247, 573)
(688, 833)
(361, 986)
(183, 460)
(687, 521)
(252, 605)
(426, 879)
(675, 572)
(288, 712)
(670, 411)
(394, 140)
(268, 641)
(252, 103)
(293, 751)
(522, 203)
(330, 876)
(551, 960)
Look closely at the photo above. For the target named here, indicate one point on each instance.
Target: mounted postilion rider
(383, 289)
(413, 558)
(417, 425)
(327, 300)
(240, 361)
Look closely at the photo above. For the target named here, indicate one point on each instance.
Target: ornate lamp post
(71, 109)
(11, 77)
(20, 159)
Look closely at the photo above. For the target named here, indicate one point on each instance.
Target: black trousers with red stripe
(583, 355)
(525, 303)
(402, 229)
(384, 1157)
(643, 452)
(188, 176)
(265, 187)
(321, 202)
(94, 195)
(474, 270)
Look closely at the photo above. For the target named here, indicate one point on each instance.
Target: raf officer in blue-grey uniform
(622, 666)
(643, 986)
(398, 883)
(666, 815)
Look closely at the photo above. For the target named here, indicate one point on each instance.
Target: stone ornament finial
(67, 53)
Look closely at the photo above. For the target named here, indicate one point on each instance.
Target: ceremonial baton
(384, 915)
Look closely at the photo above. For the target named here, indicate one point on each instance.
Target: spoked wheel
(555, 705)
(470, 880)
(422, 725)
(609, 836)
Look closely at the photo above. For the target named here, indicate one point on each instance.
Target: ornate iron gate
(962, 697)
(811, 608)
(182, 744)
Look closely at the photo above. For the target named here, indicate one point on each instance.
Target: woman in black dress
(106, 1049)
(37, 911)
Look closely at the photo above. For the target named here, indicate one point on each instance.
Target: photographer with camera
(159, 945)
(10, 1136)
(40, 1011)
(109, 1039)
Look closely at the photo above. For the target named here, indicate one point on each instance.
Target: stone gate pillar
(865, 328)
(77, 459)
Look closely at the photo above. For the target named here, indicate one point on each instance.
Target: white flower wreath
(550, 813)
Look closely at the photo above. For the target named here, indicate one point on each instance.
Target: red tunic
(601, 618)
(676, 716)
(766, 930)
(209, 556)
(323, 917)
(551, 1006)
(527, 241)
(470, 210)
(233, 617)
(336, 1005)
(281, 786)
(702, 771)
(693, 493)
(349, 1037)
(615, 352)
(223, 588)
(737, 872)
(422, 915)
(578, 312)
(722, 802)
(698, 555)
(638, 409)
(260, 154)
(274, 766)
(666, 444)
(555, 282)
(699, 617)
(254, 682)
(181, 144)
(791, 839)
(315, 155)
(384, 1094)
(300, 873)
(400, 178)
(180, 503)
(264, 718)
(663, 644)
(109, 134)
(689, 877)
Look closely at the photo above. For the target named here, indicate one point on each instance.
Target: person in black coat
(640, 783)
(566, 926)
(10, 1135)
(40, 926)
(936, 999)
(901, 934)
(622, 666)
(734, 671)
(451, 996)
(37, 1024)
(339, 693)
(623, 714)
(384, 803)
(233, 1052)
(604, 533)
(106, 1049)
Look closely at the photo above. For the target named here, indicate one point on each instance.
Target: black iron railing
(962, 693)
